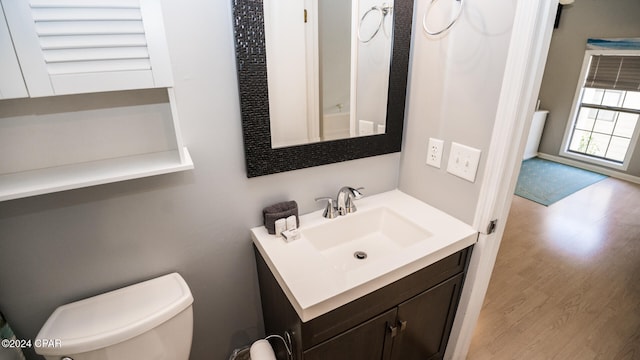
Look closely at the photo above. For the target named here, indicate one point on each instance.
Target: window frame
(575, 108)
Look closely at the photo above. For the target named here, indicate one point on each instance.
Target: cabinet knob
(393, 330)
(402, 324)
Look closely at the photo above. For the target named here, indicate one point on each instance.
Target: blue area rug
(546, 182)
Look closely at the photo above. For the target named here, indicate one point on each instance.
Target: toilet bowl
(144, 321)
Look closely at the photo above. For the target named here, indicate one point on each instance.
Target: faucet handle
(355, 194)
(330, 210)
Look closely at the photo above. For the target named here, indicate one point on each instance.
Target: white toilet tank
(144, 321)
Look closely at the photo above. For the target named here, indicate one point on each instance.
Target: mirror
(261, 156)
(328, 68)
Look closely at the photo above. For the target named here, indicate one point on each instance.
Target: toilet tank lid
(113, 317)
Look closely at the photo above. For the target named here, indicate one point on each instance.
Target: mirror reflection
(328, 67)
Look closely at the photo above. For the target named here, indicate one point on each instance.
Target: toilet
(144, 321)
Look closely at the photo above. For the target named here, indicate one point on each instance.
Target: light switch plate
(434, 152)
(463, 161)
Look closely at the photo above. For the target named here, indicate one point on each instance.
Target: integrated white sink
(352, 241)
(336, 261)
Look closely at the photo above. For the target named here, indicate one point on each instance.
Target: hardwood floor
(566, 284)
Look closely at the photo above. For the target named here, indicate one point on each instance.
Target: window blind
(614, 72)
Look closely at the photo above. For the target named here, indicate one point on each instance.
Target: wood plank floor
(566, 284)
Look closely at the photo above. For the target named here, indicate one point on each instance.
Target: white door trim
(526, 59)
(353, 89)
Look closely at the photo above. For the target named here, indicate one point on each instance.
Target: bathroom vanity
(408, 319)
(399, 302)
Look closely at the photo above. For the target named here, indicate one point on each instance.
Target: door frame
(312, 57)
(526, 59)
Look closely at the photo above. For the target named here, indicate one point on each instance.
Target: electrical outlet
(463, 161)
(434, 152)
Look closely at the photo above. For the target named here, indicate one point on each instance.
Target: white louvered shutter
(81, 46)
(11, 82)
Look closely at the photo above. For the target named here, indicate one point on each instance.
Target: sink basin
(399, 235)
(352, 241)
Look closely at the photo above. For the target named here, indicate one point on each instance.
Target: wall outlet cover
(463, 161)
(434, 152)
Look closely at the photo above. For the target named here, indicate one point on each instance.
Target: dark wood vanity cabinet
(369, 340)
(409, 319)
(427, 320)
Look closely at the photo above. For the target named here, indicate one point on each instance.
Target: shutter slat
(98, 66)
(63, 28)
(67, 14)
(71, 55)
(85, 3)
(91, 41)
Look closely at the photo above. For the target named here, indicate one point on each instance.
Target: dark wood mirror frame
(260, 158)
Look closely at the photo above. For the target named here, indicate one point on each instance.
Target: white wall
(112, 125)
(454, 89)
(61, 247)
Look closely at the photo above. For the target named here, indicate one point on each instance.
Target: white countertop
(315, 287)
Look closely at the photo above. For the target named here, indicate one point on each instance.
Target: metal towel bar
(453, 21)
(383, 10)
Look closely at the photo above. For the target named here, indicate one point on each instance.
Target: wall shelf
(74, 176)
(52, 143)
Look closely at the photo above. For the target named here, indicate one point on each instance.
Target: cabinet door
(428, 317)
(369, 341)
(11, 82)
(83, 46)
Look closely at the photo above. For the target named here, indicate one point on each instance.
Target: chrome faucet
(346, 195)
(344, 202)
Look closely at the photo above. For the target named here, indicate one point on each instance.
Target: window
(604, 121)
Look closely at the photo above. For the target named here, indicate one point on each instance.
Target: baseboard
(585, 166)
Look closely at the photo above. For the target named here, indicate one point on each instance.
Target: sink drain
(360, 255)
